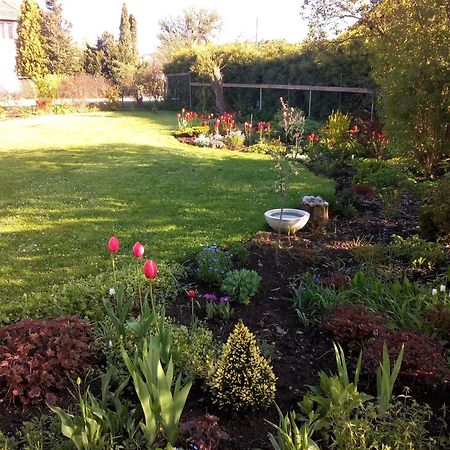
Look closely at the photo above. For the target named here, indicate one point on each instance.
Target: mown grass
(69, 182)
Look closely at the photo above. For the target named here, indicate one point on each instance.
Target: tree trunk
(217, 87)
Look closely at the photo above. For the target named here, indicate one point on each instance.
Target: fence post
(372, 108)
(260, 99)
(309, 104)
(190, 91)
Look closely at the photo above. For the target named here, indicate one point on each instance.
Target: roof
(8, 10)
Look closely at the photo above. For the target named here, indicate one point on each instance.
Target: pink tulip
(138, 250)
(113, 244)
(191, 293)
(150, 269)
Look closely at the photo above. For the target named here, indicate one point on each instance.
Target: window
(7, 30)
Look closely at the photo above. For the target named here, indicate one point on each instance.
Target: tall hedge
(278, 62)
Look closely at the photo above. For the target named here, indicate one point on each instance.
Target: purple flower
(210, 298)
(224, 300)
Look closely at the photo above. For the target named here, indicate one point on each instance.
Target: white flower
(442, 288)
(110, 344)
(434, 292)
(112, 292)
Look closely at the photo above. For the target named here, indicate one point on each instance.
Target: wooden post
(309, 104)
(260, 99)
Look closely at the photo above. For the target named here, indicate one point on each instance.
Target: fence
(179, 90)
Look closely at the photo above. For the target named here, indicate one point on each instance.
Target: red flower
(138, 250)
(354, 129)
(113, 244)
(191, 293)
(373, 132)
(310, 137)
(150, 269)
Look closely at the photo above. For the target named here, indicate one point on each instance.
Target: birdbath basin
(292, 219)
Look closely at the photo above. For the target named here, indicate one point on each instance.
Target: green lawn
(69, 182)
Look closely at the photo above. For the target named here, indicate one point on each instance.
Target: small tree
(209, 63)
(31, 59)
(293, 123)
(243, 378)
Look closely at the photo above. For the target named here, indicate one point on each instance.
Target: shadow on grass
(59, 206)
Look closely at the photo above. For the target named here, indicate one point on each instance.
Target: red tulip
(113, 244)
(191, 293)
(310, 137)
(138, 250)
(354, 129)
(150, 269)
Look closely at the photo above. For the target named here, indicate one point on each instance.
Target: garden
(146, 303)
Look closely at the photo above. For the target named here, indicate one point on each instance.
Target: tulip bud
(113, 244)
(150, 269)
(191, 293)
(138, 250)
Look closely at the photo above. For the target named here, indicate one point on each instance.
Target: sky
(276, 20)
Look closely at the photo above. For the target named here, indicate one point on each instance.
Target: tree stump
(318, 215)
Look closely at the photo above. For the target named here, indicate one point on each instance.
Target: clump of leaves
(416, 251)
(424, 365)
(353, 325)
(204, 432)
(213, 264)
(243, 378)
(241, 285)
(195, 351)
(38, 358)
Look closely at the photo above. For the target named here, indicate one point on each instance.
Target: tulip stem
(152, 298)
(114, 270)
(139, 286)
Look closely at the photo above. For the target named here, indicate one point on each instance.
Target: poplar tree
(125, 41)
(31, 59)
(134, 41)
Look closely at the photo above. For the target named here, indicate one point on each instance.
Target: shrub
(192, 131)
(438, 318)
(83, 86)
(213, 264)
(194, 351)
(424, 365)
(353, 325)
(235, 140)
(417, 252)
(384, 176)
(83, 296)
(435, 212)
(241, 285)
(403, 426)
(39, 356)
(243, 378)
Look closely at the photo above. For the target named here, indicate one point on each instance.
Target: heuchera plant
(38, 357)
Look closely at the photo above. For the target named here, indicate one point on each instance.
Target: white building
(9, 12)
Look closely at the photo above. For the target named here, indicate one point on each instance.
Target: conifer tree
(61, 52)
(125, 44)
(31, 59)
(134, 41)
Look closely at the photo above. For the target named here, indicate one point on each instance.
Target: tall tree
(125, 41)
(134, 38)
(63, 56)
(193, 27)
(31, 59)
(408, 42)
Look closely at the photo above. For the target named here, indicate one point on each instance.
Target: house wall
(9, 82)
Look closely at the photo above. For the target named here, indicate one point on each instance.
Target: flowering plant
(218, 306)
